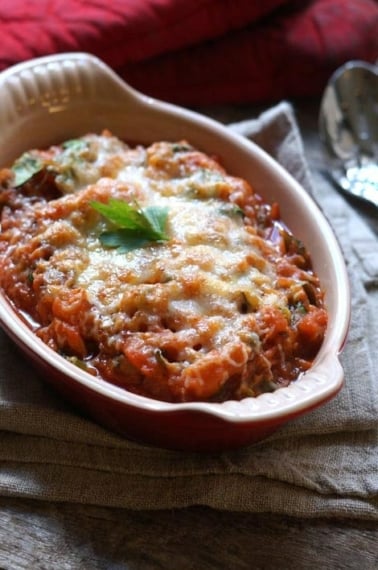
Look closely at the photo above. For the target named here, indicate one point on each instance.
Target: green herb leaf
(75, 145)
(157, 218)
(232, 210)
(25, 167)
(181, 147)
(123, 240)
(136, 227)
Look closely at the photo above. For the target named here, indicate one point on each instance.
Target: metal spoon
(348, 126)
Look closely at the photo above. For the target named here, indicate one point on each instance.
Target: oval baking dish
(56, 98)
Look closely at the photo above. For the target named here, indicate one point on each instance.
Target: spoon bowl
(348, 126)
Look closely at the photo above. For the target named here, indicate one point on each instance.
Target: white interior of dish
(54, 98)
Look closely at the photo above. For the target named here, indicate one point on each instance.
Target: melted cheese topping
(190, 318)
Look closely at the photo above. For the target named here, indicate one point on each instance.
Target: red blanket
(200, 51)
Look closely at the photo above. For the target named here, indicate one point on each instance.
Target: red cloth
(200, 51)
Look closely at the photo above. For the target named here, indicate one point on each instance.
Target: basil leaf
(157, 218)
(231, 210)
(24, 168)
(74, 145)
(136, 227)
(120, 213)
(123, 240)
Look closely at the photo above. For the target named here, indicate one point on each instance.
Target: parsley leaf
(135, 227)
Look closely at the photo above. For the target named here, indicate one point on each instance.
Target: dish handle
(50, 82)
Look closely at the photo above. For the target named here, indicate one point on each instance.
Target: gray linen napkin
(323, 464)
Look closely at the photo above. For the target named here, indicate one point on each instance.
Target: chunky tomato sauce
(157, 271)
